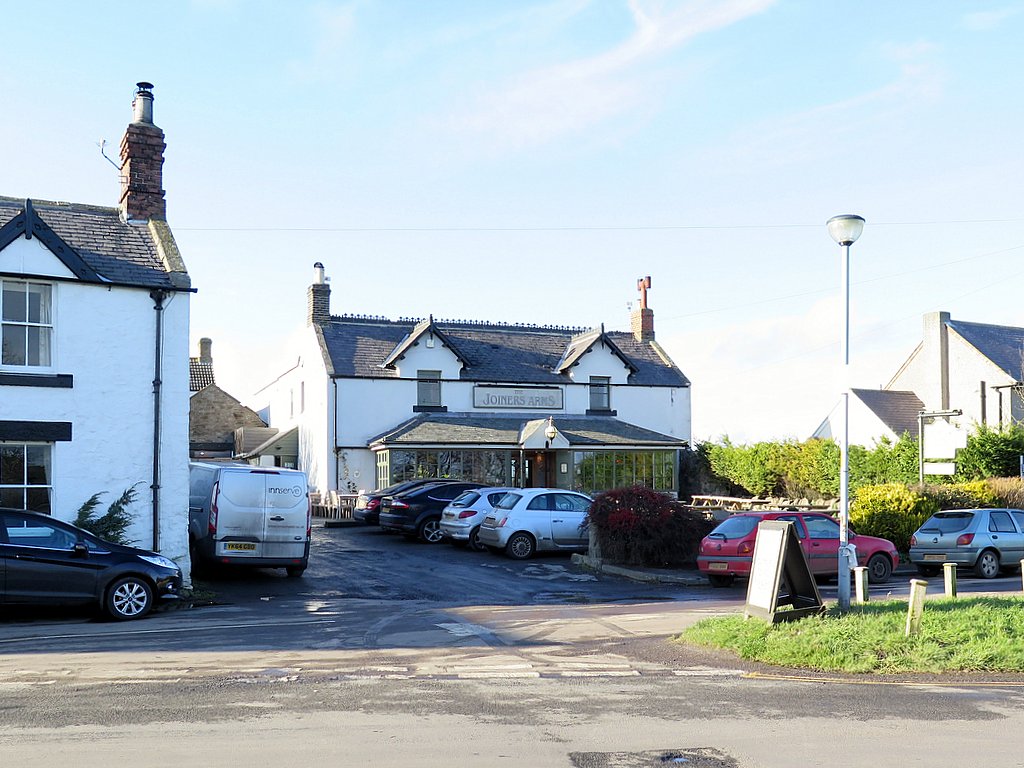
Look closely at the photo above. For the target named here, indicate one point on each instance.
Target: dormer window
(26, 320)
(600, 393)
(428, 388)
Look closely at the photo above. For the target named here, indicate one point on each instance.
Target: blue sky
(527, 161)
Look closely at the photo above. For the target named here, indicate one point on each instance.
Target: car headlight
(160, 561)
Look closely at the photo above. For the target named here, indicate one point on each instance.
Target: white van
(241, 514)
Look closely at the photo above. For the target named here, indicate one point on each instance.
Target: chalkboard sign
(780, 575)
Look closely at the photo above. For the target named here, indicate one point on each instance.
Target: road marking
(465, 630)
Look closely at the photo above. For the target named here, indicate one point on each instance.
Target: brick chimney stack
(319, 297)
(142, 162)
(642, 320)
(206, 350)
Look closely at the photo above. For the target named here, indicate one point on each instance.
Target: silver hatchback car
(987, 540)
(460, 520)
(527, 520)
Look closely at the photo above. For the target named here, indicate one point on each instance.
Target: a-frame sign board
(780, 576)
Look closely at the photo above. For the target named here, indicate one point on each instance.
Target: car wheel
(927, 570)
(295, 571)
(474, 540)
(430, 531)
(129, 598)
(879, 569)
(987, 566)
(720, 580)
(520, 546)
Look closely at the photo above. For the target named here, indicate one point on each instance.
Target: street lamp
(550, 432)
(845, 230)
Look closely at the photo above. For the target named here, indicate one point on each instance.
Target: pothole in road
(702, 757)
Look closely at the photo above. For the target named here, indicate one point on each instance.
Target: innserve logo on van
(294, 490)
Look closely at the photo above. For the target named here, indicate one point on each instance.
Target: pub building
(372, 401)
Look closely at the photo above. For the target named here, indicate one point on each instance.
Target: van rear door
(240, 496)
(287, 514)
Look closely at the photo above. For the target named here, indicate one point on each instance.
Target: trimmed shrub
(976, 493)
(892, 511)
(640, 526)
(1008, 491)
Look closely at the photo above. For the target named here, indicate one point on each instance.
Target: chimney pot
(318, 298)
(142, 104)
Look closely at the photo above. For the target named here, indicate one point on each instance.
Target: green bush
(892, 511)
(1008, 491)
(640, 526)
(975, 493)
(991, 453)
(114, 523)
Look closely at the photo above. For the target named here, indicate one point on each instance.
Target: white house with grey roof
(371, 401)
(975, 368)
(94, 379)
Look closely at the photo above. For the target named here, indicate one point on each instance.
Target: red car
(727, 551)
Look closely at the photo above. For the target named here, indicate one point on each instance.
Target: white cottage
(974, 368)
(94, 377)
(372, 401)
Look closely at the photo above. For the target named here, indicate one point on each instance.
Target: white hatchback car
(460, 520)
(528, 520)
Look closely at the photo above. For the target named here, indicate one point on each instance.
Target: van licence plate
(717, 566)
(239, 546)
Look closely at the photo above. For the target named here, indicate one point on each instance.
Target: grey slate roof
(121, 253)
(1002, 344)
(484, 429)
(200, 374)
(896, 409)
(356, 347)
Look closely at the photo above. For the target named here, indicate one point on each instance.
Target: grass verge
(984, 634)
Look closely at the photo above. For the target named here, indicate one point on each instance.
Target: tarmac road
(394, 653)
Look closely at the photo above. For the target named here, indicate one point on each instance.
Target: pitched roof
(100, 246)
(582, 343)
(1002, 344)
(896, 409)
(504, 430)
(358, 346)
(200, 374)
(421, 329)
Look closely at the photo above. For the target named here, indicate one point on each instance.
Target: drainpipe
(158, 297)
(334, 439)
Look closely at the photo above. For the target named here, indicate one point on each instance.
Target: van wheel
(129, 598)
(430, 531)
(295, 571)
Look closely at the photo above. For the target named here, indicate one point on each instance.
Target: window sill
(430, 409)
(57, 380)
(601, 412)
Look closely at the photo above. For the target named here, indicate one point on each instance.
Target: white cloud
(557, 100)
(984, 20)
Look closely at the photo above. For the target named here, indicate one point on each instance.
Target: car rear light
(466, 513)
(396, 504)
(309, 517)
(373, 504)
(501, 523)
(913, 541)
(964, 539)
(213, 509)
(745, 548)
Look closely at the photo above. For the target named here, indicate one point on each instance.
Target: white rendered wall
(105, 338)
(599, 361)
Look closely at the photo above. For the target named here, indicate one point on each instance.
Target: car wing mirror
(80, 550)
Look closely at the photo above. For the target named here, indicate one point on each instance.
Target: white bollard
(915, 607)
(1022, 573)
(949, 574)
(860, 583)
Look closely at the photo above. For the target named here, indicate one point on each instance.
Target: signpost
(780, 576)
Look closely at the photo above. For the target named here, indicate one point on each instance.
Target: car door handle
(557, 521)
(277, 518)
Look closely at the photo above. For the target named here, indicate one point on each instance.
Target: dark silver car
(987, 540)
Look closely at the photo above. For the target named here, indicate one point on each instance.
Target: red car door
(822, 544)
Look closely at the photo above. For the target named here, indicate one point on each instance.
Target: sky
(527, 161)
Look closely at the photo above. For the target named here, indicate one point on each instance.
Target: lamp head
(845, 229)
(550, 431)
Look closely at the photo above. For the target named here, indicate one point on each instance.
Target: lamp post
(845, 230)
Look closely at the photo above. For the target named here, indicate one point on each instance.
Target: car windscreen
(508, 501)
(465, 499)
(736, 527)
(948, 522)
